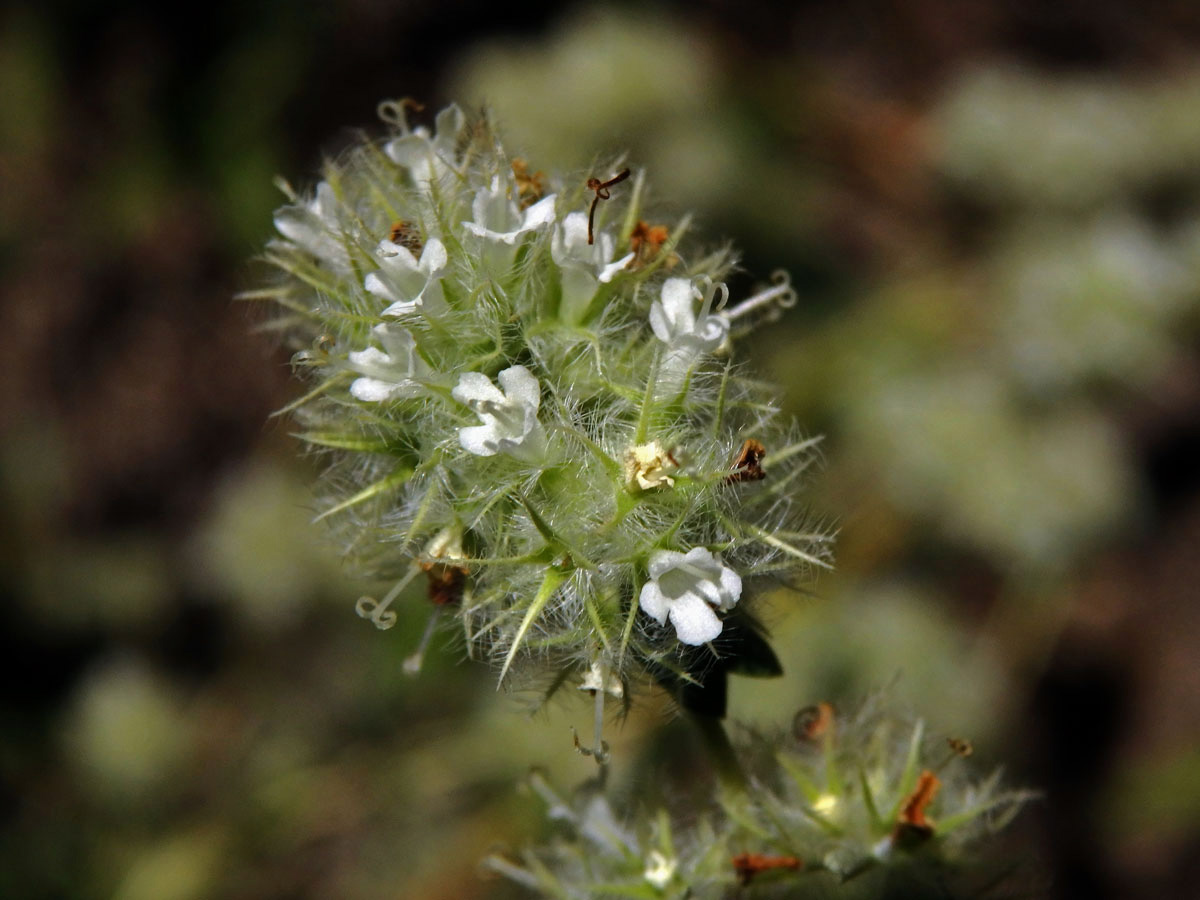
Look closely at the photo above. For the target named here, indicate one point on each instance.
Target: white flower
(687, 336)
(499, 218)
(429, 158)
(659, 870)
(396, 371)
(314, 227)
(510, 422)
(685, 586)
(584, 266)
(408, 284)
(500, 224)
(675, 323)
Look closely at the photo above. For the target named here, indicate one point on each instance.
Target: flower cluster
(491, 369)
(848, 806)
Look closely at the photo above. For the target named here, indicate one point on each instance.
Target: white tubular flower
(499, 218)
(687, 336)
(394, 372)
(685, 586)
(429, 158)
(314, 227)
(411, 286)
(584, 266)
(675, 323)
(510, 422)
(500, 223)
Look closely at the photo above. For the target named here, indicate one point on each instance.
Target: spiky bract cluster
(551, 428)
(860, 806)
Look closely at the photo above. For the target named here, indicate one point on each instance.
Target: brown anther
(410, 103)
(748, 465)
(747, 865)
(602, 193)
(406, 235)
(646, 241)
(446, 582)
(529, 186)
(912, 822)
(813, 722)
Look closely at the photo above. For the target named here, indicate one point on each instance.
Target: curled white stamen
(392, 112)
(710, 291)
(377, 610)
(781, 296)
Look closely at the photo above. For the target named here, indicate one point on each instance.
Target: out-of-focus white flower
(509, 416)
(659, 870)
(314, 227)
(584, 266)
(410, 285)
(394, 372)
(686, 587)
(427, 157)
(599, 825)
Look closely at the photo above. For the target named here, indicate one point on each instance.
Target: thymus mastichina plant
(530, 402)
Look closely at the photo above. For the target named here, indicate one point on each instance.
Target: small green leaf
(340, 441)
(550, 583)
(384, 485)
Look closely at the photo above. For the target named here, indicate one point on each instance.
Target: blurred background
(992, 213)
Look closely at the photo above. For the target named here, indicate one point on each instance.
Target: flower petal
(475, 387)
(609, 272)
(372, 390)
(659, 323)
(434, 258)
(449, 123)
(654, 603)
(372, 359)
(695, 622)
(569, 244)
(540, 214)
(479, 440)
(409, 150)
(398, 342)
(679, 304)
(731, 588)
(663, 561)
(520, 386)
(397, 257)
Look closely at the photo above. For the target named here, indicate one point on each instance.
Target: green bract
(538, 412)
